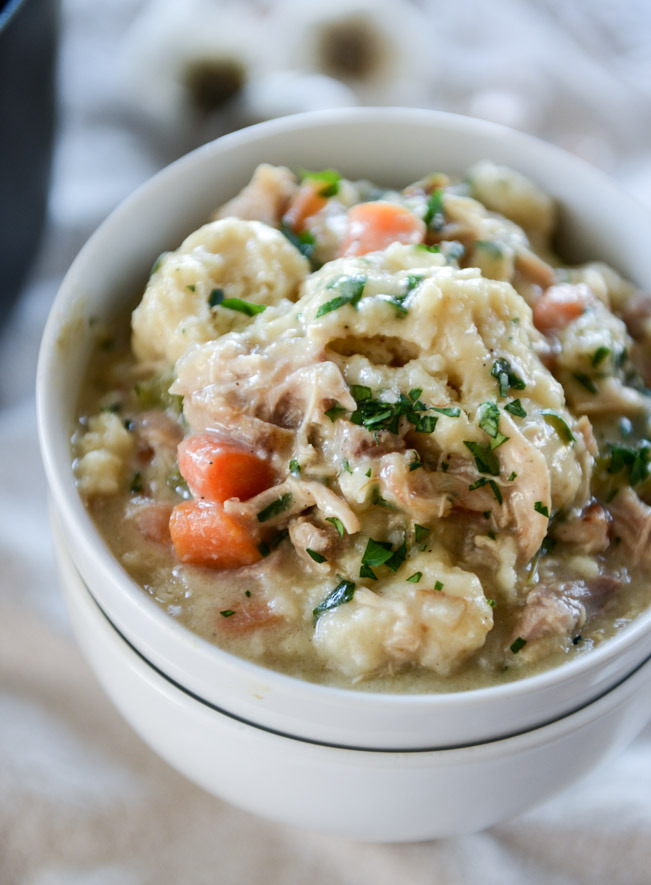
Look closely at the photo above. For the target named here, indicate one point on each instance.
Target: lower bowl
(364, 794)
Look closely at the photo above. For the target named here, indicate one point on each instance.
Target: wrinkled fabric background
(82, 800)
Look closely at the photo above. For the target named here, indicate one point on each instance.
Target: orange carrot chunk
(560, 305)
(374, 226)
(216, 470)
(203, 534)
(307, 202)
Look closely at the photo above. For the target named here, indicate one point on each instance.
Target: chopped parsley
(347, 466)
(515, 408)
(559, 424)
(415, 394)
(507, 378)
(635, 460)
(375, 414)
(599, 355)
(350, 290)
(420, 532)
(246, 307)
(156, 265)
(439, 585)
(342, 593)
(397, 558)
(489, 420)
(414, 465)
(517, 645)
(216, 297)
(377, 553)
(294, 467)
(491, 602)
(136, 483)
(191, 287)
(485, 458)
(304, 241)
(448, 411)
(434, 217)
(365, 571)
(313, 554)
(337, 523)
(327, 181)
(512, 476)
(335, 411)
(227, 613)
(480, 483)
(585, 381)
(541, 508)
(415, 578)
(275, 508)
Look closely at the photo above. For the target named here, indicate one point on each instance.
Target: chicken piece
(560, 609)
(298, 496)
(414, 491)
(534, 269)
(305, 535)
(151, 518)
(265, 198)
(588, 532)
(636, 314)
(632, 524)
(155, 430)
(358, 442)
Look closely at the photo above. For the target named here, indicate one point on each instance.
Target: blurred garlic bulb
(379, 48)
(290, 92)
(183, 62)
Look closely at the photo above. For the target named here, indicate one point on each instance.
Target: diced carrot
(307, 202)
(203, 534)
(560, 305)
(216, 470)
(374, 226)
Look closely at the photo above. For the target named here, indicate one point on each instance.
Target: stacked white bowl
(364, 765)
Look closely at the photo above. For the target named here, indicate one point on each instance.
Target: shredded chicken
(562, 608)
(265, 198)
(632, 525)
(588, 531)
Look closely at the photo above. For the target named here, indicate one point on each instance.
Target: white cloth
(82, 800)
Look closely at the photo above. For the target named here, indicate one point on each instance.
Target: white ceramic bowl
(358, 794)
(392, 147)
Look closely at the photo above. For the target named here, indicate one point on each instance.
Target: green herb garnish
(635, 460)
(246, 307)
(216, 297)
(599, 355)
(335, 411)
(342, 593)
(136, 483)
(559, 424)
(489, 420)
(507, 378)
(541, 508)
(376, 553)
(313, 554)
(420, 532)
(585, 381)
(485, 458)
(515, 408)
(294, 467)
(434, 217)
(439, 585)
(337, 523)
(304, 241)
(415, 578)
(227, 613)
(350, 290)
(275, 508)
(517, 645)
(329, 179)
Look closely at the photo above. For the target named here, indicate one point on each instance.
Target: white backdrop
(82, 800)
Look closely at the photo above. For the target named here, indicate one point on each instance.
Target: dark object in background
(28, 38)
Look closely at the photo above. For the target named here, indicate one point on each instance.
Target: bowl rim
(517, 741)
(77, 520)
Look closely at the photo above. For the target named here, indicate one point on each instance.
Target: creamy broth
(436, 428)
